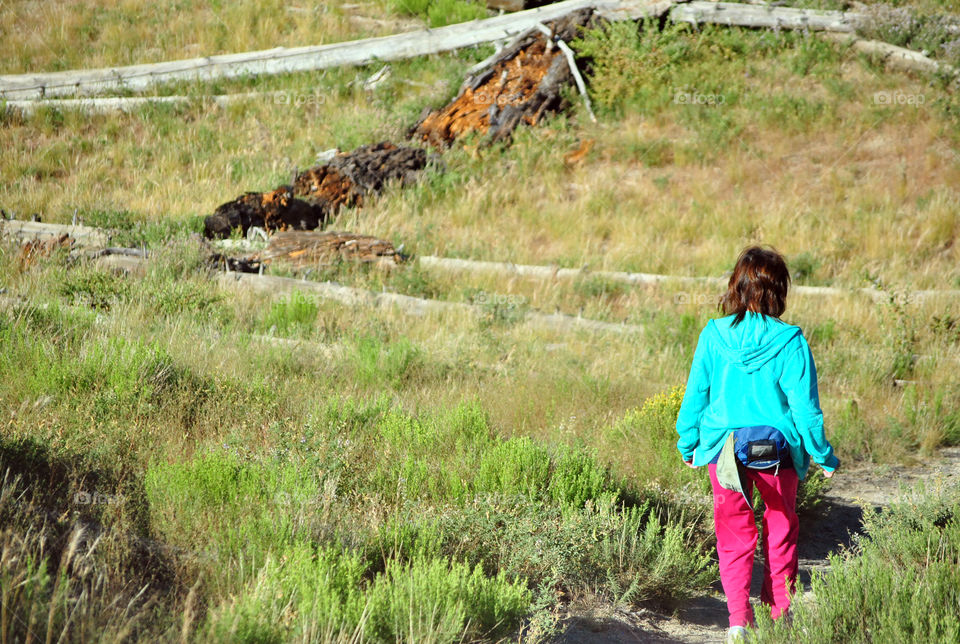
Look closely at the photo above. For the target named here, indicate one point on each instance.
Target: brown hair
(759, 283)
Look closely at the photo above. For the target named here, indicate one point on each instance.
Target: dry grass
(40, 36)
(831, 181)
(854, 187)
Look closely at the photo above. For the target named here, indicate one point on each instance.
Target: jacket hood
(755, 341)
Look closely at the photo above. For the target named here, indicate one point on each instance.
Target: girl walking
(751, 414)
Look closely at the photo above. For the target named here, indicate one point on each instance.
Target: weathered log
(275, 286)
(309, 249)
(26, 230)
(895, 57)
(368, 169)
(449, 264)
(275, 210)
(769, 17)
(281, 60)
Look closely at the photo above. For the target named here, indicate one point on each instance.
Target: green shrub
(440, 601)
(170, 298)
(133, 230)
(622, 554)
(94, 287)
(236, 508)
(899, 583)
(518, 466)
(628, 65)
(391, 364)
(293, 314)
(454, 457)
(324, 595)
(650, 435)
(110, 379)
(935, 34)
(302, 595)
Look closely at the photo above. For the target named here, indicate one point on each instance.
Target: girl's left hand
(690, 465)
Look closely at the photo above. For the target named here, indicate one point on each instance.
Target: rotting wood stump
(317, 194)
(522, 84)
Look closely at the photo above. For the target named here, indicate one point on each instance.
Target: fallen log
(317, 194)
(26, 230)
(274, 210)
(350, 296)
(281, 60)
(450, 264)
(22, 87)
(308, 249)
(766, 16)
(896, 57)
(106, 105)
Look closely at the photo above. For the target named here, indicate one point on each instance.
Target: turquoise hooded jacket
(759, 372)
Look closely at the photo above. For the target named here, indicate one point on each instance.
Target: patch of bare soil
(704, 619)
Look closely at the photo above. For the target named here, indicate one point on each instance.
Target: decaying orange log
(317, 194)
(521, 85)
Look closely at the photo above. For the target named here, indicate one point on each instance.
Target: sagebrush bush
(307, 595)
(900, 582)
(235, 507)
(620, 553)
(296, 313)
(937, 35)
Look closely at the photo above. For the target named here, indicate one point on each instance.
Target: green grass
(442, 12)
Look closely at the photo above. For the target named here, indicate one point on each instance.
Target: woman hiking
(751, 414)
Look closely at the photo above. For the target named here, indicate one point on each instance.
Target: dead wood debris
(515, 5)
(521, 85)
(34, 249)
(303, 249)
(317, 194)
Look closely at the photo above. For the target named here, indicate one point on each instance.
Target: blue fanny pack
(762, 447)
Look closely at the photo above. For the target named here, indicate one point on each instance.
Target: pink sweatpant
(737, 540)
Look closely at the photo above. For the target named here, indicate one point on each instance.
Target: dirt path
(704, 619)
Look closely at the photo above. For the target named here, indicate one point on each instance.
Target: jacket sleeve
(695, 399)
(799, 382)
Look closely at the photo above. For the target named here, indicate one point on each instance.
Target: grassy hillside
(186, 462)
